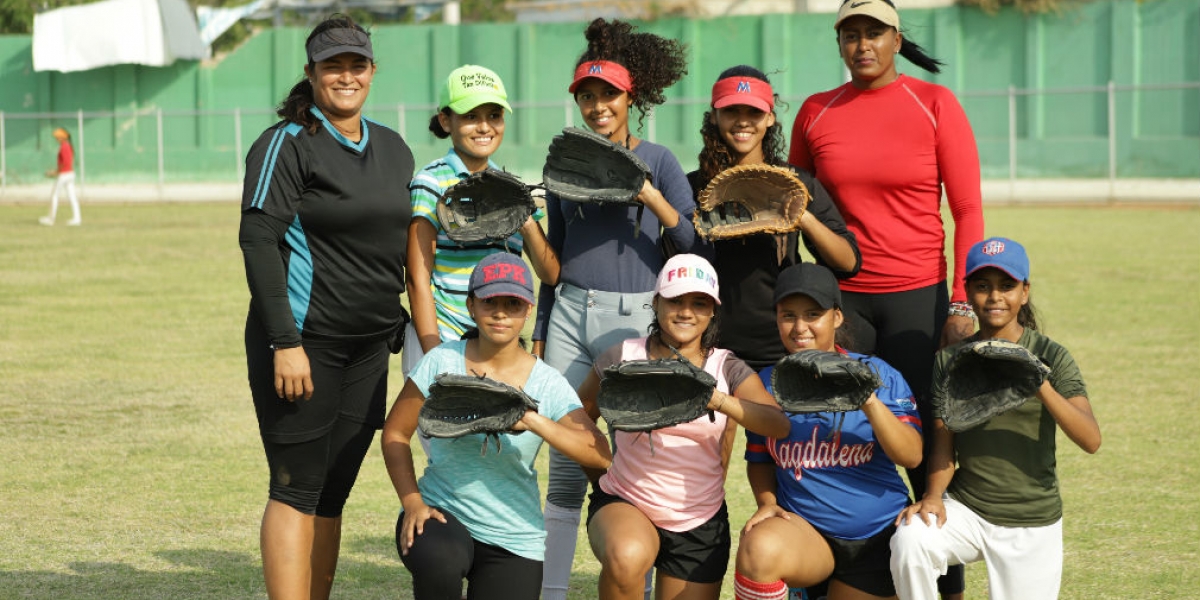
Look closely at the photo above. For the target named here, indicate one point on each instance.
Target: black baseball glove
(818, 381)
(986, 378)
(490, 205)
(460, 405)
(644, 395)
(583, 166)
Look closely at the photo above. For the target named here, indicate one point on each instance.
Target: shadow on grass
(369, 568)
(191, 574)
(583, 583)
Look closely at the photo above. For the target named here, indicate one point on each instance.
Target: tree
(1025, 6)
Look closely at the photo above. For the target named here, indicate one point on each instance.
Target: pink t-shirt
(679, 485)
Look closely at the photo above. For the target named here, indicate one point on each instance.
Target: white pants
(64, 180)
(1023, 563)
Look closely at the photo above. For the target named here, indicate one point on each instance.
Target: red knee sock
(748, 589)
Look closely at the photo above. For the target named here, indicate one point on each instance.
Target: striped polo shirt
(453, 262)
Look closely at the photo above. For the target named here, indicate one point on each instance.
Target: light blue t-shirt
(494, 495)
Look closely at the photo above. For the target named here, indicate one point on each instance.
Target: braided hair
(654, 63)
(715, 156)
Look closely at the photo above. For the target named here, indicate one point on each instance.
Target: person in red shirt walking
(64, 178)
(886, 145)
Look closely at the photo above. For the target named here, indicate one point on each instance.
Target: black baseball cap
(812, 280)
(338, 40)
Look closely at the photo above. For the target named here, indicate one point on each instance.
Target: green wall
(1061, 132)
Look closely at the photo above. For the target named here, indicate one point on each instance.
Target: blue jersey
(840, 480)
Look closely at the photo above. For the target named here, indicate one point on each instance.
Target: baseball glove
(749, 199)
(644, 395)
(818, 381)
(460, 405)
(490, 205)
(986, 378)
(583, 166)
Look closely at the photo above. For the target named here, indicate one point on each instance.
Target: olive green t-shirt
(1006, 467)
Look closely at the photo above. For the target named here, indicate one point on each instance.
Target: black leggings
(904, 329)
(315, 447)
(445, 553)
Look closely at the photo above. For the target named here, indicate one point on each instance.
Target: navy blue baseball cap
(502, 274)
(1000, 253)
(812, 280)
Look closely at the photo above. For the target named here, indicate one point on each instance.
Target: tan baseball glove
(749, 199)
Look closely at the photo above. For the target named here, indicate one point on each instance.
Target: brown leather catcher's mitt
(749, 199)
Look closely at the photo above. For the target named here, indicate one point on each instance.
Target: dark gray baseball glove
(644, 395)
(986, 378)
(583, 166)
(490, 205)
(818, 381)
(460, 405)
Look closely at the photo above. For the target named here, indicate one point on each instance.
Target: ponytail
(435, 126)
(1027, 316)
(918, 56)
(295, 107)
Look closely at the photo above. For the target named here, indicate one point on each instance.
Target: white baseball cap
(687, 273)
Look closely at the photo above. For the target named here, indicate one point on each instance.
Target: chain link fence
(1109, 132)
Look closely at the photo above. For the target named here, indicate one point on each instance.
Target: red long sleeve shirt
(885, 155)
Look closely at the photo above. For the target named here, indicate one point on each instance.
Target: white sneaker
(45, 220)
(75, 222)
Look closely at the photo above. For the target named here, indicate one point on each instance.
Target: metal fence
(1086, 132)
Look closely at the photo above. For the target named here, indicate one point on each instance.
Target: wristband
(961, 309)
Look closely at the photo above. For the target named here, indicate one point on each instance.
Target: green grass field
(132, 466)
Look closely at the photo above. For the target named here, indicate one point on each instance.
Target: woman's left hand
(762, 514)
(956, 330)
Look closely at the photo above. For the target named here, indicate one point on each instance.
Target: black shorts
(700, 555)
(315, 447)
(864, 564)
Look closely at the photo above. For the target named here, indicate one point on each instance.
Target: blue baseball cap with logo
(1000, 253)
(502, 274)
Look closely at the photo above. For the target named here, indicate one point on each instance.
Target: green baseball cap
(471, 85)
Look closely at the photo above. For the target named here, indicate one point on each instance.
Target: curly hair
(654, 63)
(715, 156)
(295, 107)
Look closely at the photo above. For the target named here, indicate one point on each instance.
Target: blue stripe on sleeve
(269, 162)
(267, 168)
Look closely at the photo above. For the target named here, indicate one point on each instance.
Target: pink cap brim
(743, 90)
(604, 70)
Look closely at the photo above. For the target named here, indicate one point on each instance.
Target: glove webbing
(442, 198)
(712, 417)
